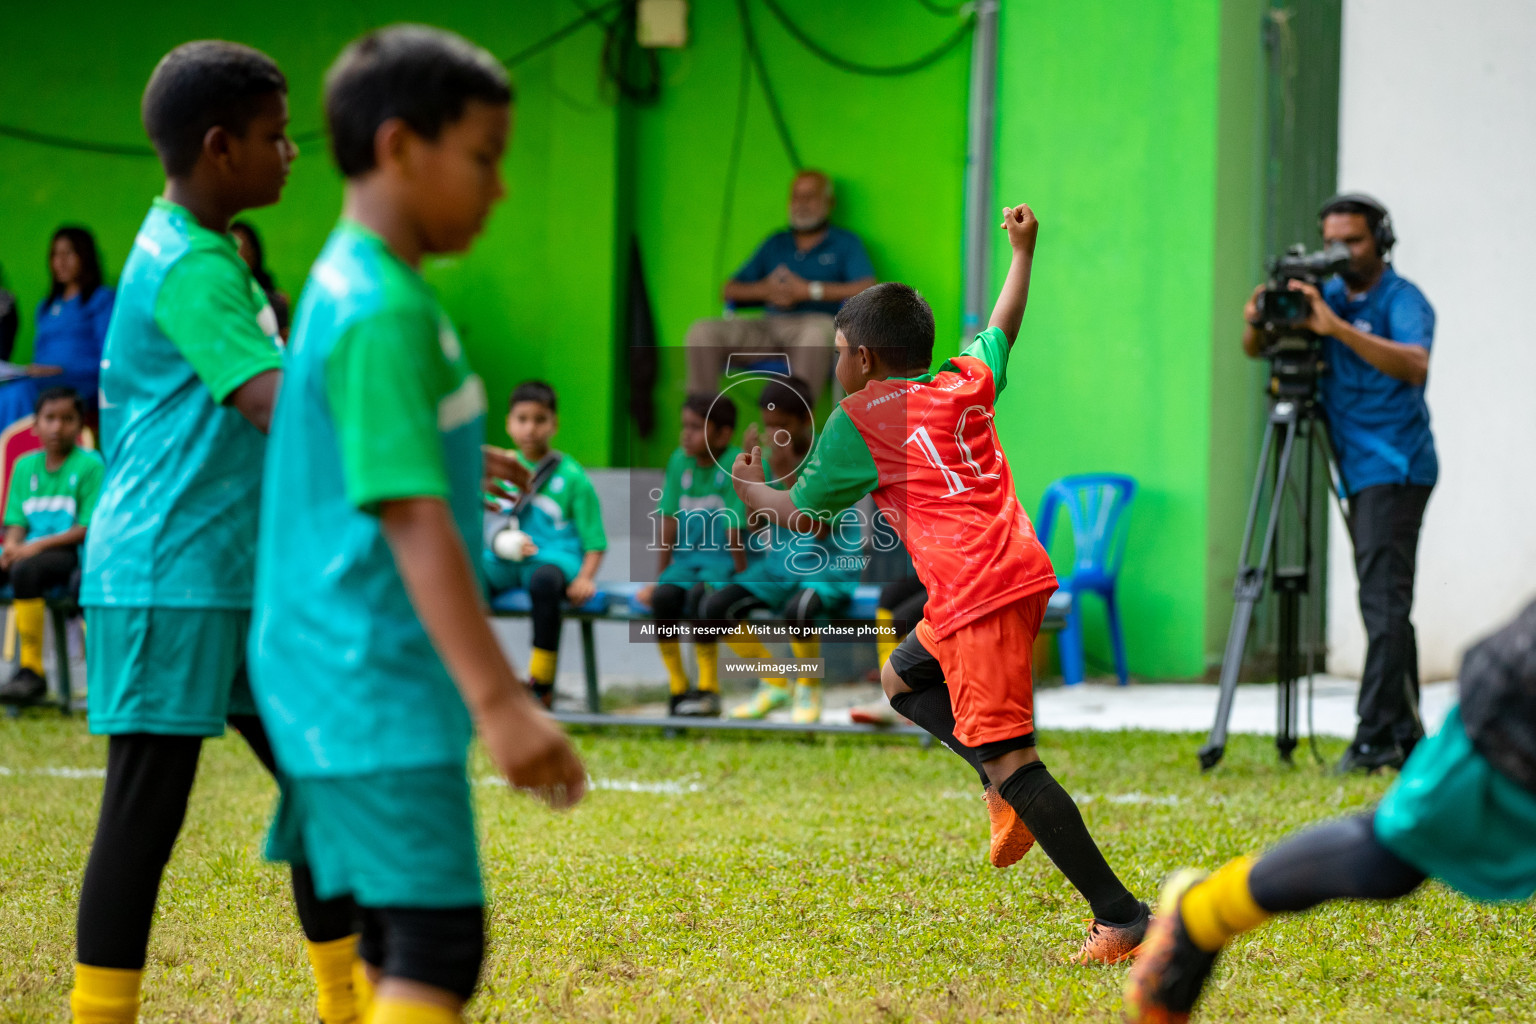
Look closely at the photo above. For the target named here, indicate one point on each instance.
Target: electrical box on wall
(661, 23)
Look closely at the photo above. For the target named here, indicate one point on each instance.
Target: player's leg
(899, 611)
(1198, 916)
(330, 926)
(802, 611)
(430, 965)
(704, 700)
(143, 804)
(546, 590)
(722, 613)
(667, 606)
(31, 578)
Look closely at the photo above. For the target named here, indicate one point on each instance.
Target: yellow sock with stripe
(31, 618)
(804, 650)
(747, 644)
(709, 667)
(362, 989)
(672, 656)
(1222, 906)
(335, 1002)
(885, 643)
(105, 995)
(541, 665)
(394, 1010)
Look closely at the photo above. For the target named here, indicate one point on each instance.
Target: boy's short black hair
(59, 394)
(716, 410)
(533, 391)
(422, 75)
(893, 321)
(198, 86)
(792, 394)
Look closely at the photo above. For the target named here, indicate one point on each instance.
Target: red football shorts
(989, 667)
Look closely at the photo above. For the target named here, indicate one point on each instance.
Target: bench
(616, 602)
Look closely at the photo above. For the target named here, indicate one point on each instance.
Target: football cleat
(1170, 971)
(1113, 943)
(807, 710)
(1011, 838)
(767, 698)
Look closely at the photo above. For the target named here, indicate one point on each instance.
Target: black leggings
(1340, 860)
(33, 577)
(904, 599)
(143, 805)
(672, 604)
(722, 609)
(440, 948)
(546, 589)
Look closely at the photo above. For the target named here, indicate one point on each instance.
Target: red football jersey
(940, 476)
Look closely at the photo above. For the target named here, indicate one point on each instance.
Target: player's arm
(763, 503)
(584, 585)
(15, 539)
(1008, 313)
(65, 538)
(204, 308)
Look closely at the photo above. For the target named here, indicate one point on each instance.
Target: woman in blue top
(71, 327)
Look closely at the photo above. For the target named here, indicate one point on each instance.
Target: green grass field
(723, 879)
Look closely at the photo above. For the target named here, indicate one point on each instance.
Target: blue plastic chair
(1095, 504)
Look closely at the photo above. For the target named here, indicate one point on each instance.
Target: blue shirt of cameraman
(1379, 424)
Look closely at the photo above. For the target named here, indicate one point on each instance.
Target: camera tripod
(1295, 421)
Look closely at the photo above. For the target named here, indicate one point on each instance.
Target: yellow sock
(31, 616)
(394, 1010)
(745, 643)
(804, 650)
(885, 643)
(105, 995)
(362, 989)
(332, 963)
(709, 667)
(541, 665)
(1221, 906)
(672, 657)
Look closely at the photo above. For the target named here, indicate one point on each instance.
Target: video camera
(1283, 311)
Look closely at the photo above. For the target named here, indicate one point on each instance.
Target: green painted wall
(538, 283)
(1127, 127)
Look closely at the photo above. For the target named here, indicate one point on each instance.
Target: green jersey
(379, 404)
(705, 504)
(564, 519)
(46, 502)
(176, 523)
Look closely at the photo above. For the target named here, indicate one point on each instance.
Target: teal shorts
(387, 839)
(501, 575)
(166, 671)
(1455, 817)
(686, 572)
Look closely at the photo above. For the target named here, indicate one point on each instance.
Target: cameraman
(1376, 329)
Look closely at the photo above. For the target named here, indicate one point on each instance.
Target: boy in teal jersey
(803, 577)
(372, 658)
(47, 509)
(189, 375)
(556, 533)
(701, 520)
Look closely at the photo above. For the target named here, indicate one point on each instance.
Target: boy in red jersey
(924, 445)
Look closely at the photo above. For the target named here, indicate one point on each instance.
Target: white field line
(57, 773)
(663, 787)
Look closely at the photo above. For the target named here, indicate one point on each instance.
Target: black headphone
(1382, 231)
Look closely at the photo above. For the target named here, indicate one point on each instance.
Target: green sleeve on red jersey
(383, 386)
(92, 472)
(207, 308)
(587, 514)
(839, 471)
(991, 347)
(16, 497)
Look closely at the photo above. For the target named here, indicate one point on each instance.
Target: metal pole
(981, 125)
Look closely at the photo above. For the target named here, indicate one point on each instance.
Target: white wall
(1438, 120)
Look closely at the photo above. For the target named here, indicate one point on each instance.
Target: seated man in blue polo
(1377, 329)
(800, 276)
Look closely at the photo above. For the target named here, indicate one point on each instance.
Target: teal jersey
(176, 523)
(705, 504)
(379, 403)
(564, 519)
(829, 565)
(46, 502)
